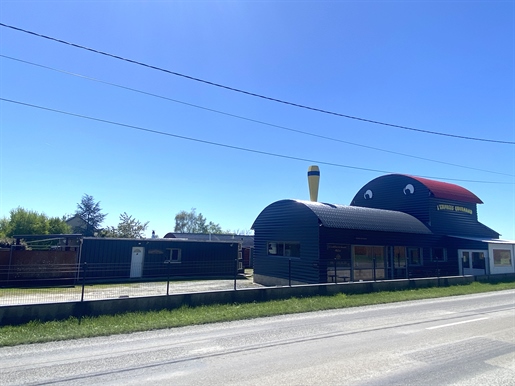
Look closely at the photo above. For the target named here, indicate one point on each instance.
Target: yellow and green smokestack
(313, 181)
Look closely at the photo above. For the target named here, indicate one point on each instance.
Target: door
(400, 268)
(137, 262)
(473, 262)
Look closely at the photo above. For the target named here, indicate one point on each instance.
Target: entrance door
(137, 262)
(397, 263)
(473, 262)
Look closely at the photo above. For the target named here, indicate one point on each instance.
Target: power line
(231, 146)
(250, 119)
(255, 94)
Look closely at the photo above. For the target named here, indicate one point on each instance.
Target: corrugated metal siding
(315, 224)
(287, 220)
(457, 223)
(359, 218)
(206, 258)
(107, 258)
(111, 258)
(391, 192)
(388, 192)
(357, 237)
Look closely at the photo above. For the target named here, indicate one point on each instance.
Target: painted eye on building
(409, 190)
(368, 194)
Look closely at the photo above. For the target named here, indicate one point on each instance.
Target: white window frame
(501, 269)
(179, 255)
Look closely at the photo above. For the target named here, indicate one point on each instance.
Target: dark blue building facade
(397, 226)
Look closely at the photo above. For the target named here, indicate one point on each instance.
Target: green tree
(191, 222)
(28, 222)
(91, 214)
(58, 225)
(4, 223)
(213, 228)
(128, 227)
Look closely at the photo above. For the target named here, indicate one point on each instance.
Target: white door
(137, 261)
(473, 262)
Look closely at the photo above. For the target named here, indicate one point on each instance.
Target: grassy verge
(37, 332)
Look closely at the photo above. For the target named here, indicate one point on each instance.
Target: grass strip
(38, 332)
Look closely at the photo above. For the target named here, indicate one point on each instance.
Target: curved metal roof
(448, 191)
(360, 218)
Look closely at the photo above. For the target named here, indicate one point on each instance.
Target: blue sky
(438, 66)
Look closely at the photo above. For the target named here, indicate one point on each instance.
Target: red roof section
(448, 191)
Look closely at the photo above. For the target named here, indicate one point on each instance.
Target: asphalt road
(465, 340)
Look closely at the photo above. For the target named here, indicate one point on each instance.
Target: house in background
(77, 224)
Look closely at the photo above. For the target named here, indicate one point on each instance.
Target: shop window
(438, 254)
(175, 255)
(369, 262)
(340, 254)
(502, 258)
(284, 249)
(414, 256)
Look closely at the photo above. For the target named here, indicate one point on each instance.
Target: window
(292, 249)
(369, 262)
(364, 256)
(284, 249)
(414, 256)
(175, 255)
(502, 258)
(438, 254)
(478, 260)
(399, 257)
(340, 254)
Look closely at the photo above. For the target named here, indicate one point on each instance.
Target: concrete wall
(15, 315)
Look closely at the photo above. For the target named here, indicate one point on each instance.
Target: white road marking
(454, 324)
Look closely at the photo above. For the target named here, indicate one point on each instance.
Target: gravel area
(15, 296)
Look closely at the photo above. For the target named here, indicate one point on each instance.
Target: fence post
(235, 271)
(374, 268)
(289, 272)
(81, 305)
(438, 271)
(167, 277)
(84, 268)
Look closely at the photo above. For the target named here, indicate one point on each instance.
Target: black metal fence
(48, 283)
(51, 282)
